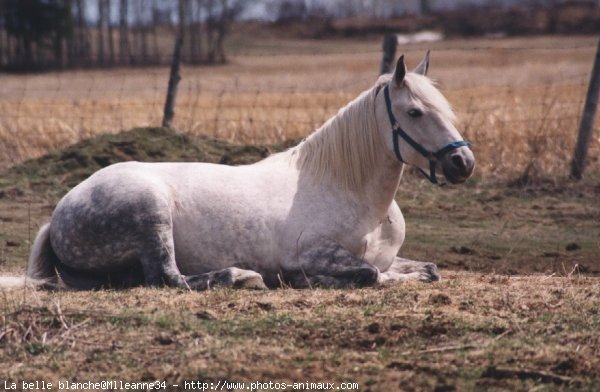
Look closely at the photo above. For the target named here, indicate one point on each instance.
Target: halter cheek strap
(398, 132)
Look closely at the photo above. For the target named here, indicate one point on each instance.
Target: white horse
(319, 214)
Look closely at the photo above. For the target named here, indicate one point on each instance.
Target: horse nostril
(458, 162)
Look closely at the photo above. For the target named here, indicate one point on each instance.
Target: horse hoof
(367, 276)
(430, 273)
(245, 279)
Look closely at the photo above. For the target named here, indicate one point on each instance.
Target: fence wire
(510, 90)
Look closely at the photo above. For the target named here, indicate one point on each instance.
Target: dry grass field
(528, 93)
(518, 306)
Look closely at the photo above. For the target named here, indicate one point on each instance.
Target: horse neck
(382, 187)
(347, 153)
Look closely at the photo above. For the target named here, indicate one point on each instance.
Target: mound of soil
(59, 171)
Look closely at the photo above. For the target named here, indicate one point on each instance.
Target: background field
(528, 93)
(519, 244)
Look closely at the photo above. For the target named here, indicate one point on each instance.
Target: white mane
(344, 149)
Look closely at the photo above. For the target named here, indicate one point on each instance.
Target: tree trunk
(82, 35)
(3, 48)
(28, 51)
(100, 32)
(58, 51)
(111, 44)
(193, 36)
(70, 39)
(143, 33)
(222, 27)
(198, 31)
(181, 8)
(155, 26)
(124, 55)
(211, 23)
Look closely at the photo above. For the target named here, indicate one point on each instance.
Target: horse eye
(415, 113)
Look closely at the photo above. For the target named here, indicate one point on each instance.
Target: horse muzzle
(458, 165)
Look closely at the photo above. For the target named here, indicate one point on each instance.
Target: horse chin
(454, 178)
(458, 167)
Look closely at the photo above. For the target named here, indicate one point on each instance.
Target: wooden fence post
(174, 79)
(587, 120)
(390, 41)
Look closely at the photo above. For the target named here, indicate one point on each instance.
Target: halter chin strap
(398, 132)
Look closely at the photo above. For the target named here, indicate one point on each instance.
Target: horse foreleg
(405, 269)
(329, 265)
(228, 277)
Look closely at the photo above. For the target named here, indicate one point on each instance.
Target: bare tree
(58, 33)
(194, 31)
(124, 50)
(100, 31)
(2, 47)
(111, 44)
(143, 29)
(156, 24)
(198, 46)
(223, 23)
(181, 17)
(221, 15)
(82, 34)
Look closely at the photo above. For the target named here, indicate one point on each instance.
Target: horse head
(417, 125)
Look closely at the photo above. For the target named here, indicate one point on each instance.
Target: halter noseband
(398, 132)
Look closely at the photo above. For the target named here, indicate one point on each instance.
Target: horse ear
(400, 71)
(423, 66)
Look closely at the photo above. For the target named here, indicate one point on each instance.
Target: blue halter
(398, 132)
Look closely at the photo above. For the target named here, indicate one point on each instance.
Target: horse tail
(41, 271)
(42, 260)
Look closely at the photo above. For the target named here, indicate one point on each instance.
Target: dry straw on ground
(468, 332)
